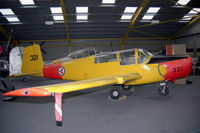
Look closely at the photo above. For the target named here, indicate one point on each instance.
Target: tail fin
(32, 61)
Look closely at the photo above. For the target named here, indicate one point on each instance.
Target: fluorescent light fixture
(58, 22)
(56, 9)
(186, 17)
(193, 12)
(153, 9)
(27, 2)
(148, 17)
(145, 21)
(196, 9)
(7, 11)
(49, 22)
(12, 19)
(81, 17)
(183, 2)
(126, 16)
(81, 21)
(58, 17)
(108, 1)
(16, 23)
(183, 21)
(155, 21)
(130, 9)
(81, 9)
(125, 20)
(177, 6)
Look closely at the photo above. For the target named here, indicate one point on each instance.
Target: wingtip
(35, 92)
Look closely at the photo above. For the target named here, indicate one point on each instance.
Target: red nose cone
(178, 68)
(34, 92)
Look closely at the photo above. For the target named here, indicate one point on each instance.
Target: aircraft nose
(177, 69)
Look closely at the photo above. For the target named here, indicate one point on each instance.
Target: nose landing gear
(163, 90)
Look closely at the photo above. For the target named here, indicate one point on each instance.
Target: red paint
(177, 69)
(33, 92)
(51, 71)
(58, 106)
(1, 50)
(169, 50)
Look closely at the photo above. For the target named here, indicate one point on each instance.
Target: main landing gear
(116, 93)
(163, 90)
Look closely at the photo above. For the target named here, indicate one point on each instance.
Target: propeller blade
(42, 43)
(43, 51)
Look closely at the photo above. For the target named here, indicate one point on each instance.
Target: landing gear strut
(126, 87)
(163, 90)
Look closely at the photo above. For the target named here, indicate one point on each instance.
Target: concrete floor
(91, 111)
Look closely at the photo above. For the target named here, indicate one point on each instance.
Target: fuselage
(96, 67)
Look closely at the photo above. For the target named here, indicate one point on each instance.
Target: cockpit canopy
(126, 57)
(82, 53)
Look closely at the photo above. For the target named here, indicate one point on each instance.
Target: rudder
(32, 61)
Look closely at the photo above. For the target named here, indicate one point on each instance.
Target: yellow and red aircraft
(124, 68)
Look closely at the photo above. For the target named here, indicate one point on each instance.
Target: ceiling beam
(151, 34)
(185, 6)
(133, 20)
(66, 24)
(91, 39)
(162, 22)
(183, 28)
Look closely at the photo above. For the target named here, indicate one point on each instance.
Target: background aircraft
(123, 68)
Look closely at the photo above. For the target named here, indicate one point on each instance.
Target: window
(127, 57)
(105, 58)
(142, 56)
(82, 53)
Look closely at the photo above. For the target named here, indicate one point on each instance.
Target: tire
(165, 92)
(126, 87)
(115, 94)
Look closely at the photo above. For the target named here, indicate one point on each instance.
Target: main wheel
(126, 87)
(163, 91)
(115, 93)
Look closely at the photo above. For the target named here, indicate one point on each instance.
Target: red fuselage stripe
(52, 71)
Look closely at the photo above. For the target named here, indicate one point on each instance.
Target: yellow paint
(89, 74)
(85, 69)
(32, 60)
(85, 84)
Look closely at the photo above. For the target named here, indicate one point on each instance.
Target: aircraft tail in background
(26, 61)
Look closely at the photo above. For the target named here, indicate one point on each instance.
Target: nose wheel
(163, 90)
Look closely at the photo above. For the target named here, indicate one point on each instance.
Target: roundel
(61, 71)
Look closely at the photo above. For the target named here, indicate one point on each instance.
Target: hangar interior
(64, 26)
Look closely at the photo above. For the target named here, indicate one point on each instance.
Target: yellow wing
(73, 86)
(85, 84)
